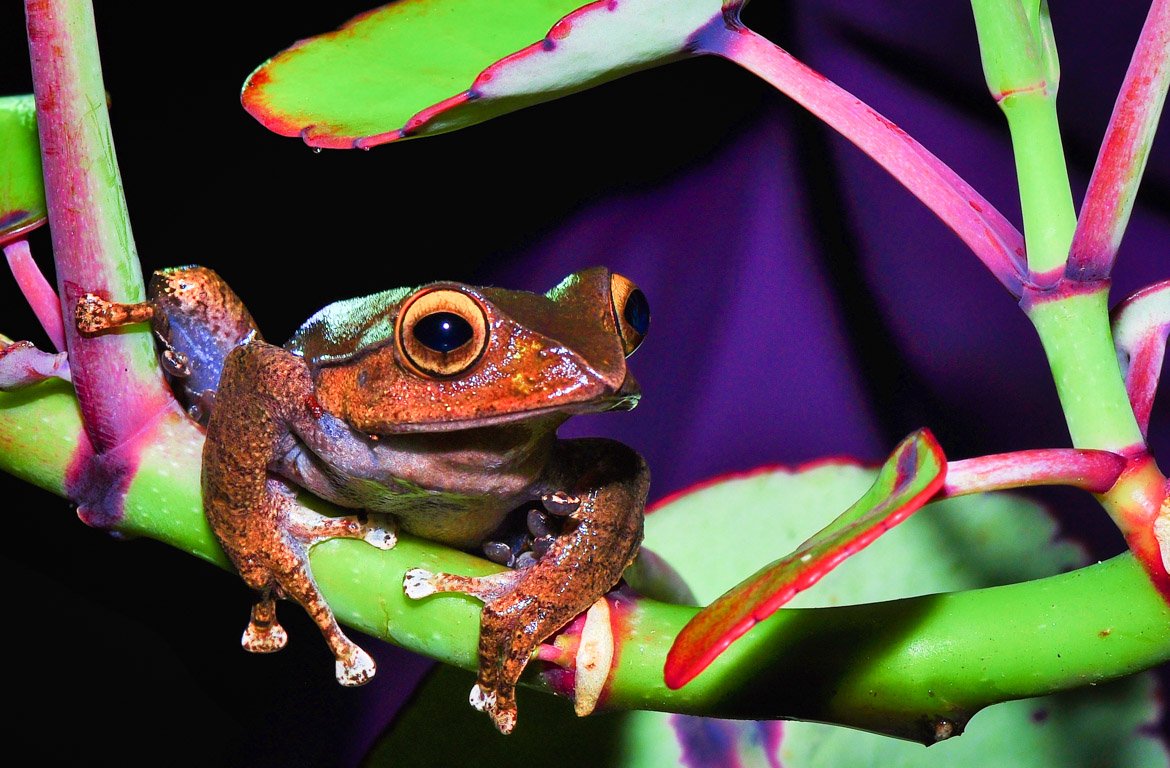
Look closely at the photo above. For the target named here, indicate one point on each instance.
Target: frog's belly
(455, 517)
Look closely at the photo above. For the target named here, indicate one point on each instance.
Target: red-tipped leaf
(22, 192)
(912, 475)
(1141, 324)
(428, 66)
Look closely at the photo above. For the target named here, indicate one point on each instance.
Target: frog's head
(451, 356)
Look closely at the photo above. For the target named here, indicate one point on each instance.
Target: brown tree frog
(438, 405)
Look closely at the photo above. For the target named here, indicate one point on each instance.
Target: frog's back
(345, 328)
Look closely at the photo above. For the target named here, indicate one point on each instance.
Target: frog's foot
(356, 668)
(379, 531)
(419, 583)
(502, 712)
(264, 633)
(94, 314)
(22, 365)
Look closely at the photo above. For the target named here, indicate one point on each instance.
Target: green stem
(1074, 329)
(1045, 197)
(1020, 63)
(912, 668)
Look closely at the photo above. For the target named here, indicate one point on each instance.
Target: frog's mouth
(626, 398)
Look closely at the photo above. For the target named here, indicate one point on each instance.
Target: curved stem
(1094, 471)
(976, 221)
(37, 291)
(1141, 324)
(912, 668)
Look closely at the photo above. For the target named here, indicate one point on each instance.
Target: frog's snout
(627, 396)
(627, 403)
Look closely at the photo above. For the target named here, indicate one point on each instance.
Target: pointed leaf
(1141, 324)
(910, 477)
(22, 365)
(429, 66)
(22, 189)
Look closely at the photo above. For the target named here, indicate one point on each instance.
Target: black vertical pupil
(442, 331)
(637, 312)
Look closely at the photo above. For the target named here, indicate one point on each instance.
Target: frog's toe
(481, 699)
(419, 583)
(356, 670)
(383, 535)
(259, 639)
(502, 713)
(561, 503)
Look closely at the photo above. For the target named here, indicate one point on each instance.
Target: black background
(126, 651)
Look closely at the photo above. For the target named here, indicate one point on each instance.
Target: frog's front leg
(265, 393)
(523, 608)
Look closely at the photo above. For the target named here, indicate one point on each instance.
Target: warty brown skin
(348, 412)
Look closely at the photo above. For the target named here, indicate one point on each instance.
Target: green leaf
(913, 473)
(711, 536)
(418, 67)
(22, 188)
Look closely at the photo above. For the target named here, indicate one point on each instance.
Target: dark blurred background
(804, 306)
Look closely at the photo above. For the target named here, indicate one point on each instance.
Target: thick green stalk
(913, 668)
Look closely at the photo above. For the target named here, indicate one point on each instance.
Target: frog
(432, 409)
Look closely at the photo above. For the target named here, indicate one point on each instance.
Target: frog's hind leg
(277, 565)
(353, 665)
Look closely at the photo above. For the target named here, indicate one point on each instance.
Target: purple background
(804, 305)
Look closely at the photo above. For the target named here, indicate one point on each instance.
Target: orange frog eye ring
(442, 332)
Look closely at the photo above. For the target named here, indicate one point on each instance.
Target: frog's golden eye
(442, 332)
(631, 310)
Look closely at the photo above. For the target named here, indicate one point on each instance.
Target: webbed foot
(356, 668)
(264, 633)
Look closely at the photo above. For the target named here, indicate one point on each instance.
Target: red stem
(37, 291)
(1093, 471)
(1124, 151)
(118, 384)
(992, 238)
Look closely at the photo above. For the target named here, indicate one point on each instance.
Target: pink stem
(1094, 471)
(37, 291)
(1122, 159)
(118, 383)
(1141, 324)
(996, 243)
